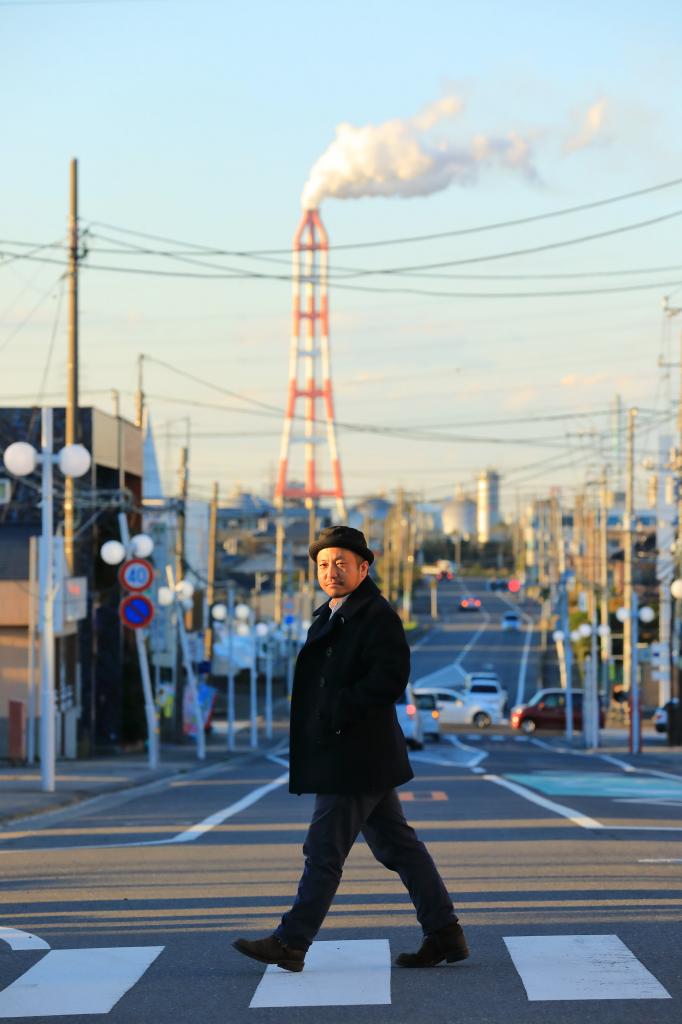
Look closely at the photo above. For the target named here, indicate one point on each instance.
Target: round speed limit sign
(136, 575)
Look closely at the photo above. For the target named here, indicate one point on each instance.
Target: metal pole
(253, 680)
(635, 715)
(150, 710)
(568, 657)
(628, 531)
(139, 394)
(32, 573)
(71, 423)
(210, 585)
(433, 588)
(47, 708)
(268, 688)
(230, 666)
(279, 563)
(189, 669)
(604, 584)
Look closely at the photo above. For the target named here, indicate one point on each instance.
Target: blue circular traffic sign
(136, 611)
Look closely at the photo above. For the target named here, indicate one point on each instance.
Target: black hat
(342, 537)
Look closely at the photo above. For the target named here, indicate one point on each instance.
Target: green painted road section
(603, 784)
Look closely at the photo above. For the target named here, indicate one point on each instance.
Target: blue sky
(201, 121)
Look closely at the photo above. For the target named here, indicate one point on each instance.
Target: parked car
(511, 620)
(660, 717)
(427, 707)
(469, 603)
(547, 710)
(410, 720)
(486, 688)
(456, 708)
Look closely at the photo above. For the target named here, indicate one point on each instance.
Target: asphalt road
(565, 868)
(461, 642)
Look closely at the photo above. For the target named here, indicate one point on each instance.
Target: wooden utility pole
(183, 486)
(210, 583)
(71, 424)
(386, 558)
(279, 562)
(139, 394)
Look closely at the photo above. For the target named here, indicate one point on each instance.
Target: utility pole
(139, 394)
(210, 584)
(71, 425)
(604, 582)
(386, 559)
(116, 397)
(183, 482)
(629, 684)
(279, 561)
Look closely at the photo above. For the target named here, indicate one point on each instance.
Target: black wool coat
(345, 736)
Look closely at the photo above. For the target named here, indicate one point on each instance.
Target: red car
(547, 710)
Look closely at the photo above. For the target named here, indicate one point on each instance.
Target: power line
(517, 222)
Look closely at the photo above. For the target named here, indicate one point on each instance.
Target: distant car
(410, 720)
(456, 708)
(497, 585)
(486, 688)
(660, 718)
(547, 710)
(470, 604)
(427, 708)
(511, 620)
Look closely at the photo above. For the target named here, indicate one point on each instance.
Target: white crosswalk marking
(76, 981)
(581, 967)
(351, 973)
(17, 939)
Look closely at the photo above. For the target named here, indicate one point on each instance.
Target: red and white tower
(310, 374)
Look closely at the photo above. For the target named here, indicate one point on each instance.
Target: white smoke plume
(591, 129)
(404, 158)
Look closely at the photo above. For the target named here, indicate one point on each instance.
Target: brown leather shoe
(446, 944)
(271, 951)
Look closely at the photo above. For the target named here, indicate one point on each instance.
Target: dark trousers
(337, 820)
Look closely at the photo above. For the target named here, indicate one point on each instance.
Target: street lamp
(635, 615)
(22, 459)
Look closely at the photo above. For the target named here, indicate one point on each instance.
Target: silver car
(410, 720)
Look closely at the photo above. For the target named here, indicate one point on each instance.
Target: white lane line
(660, 860)
(479, 771)
(604, 757)
(351, 973)
(521, 683)
(76, 981)
(17, 939)
(202, 827)
(566, 812)
(577, 967)
(187, 835)
(477, 755)
(441, 676)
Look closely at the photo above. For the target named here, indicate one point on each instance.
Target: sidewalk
(22, 797)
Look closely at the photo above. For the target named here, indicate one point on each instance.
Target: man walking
(346, 747)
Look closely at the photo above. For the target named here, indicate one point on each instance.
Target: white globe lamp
(262, 629)
(558, 636)
(20, 458)
(575, 635)
(676, 589)
(141, 545)
(603, 630)
(647, 614)
(242, 612)
(219, 612)
(585, 630)
(623, 614)
(74, 460)
(184, 590)
(165, 596)
(112, 552)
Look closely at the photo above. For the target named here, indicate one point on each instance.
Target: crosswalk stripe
(580, 967)
(76, 981)
(351, 973)
(17, 939)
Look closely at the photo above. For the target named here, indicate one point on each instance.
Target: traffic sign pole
(150, 711)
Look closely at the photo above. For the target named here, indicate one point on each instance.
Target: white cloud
(591, 129)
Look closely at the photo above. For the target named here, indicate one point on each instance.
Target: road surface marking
(477, 755)
(411, 795)
(497, 739)
(187, 835)
(600, 784)
(350, 973)
(479, 771)
(574, 967)
(566, 812)
(660, 860)
(17, 939)
(76, 981)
